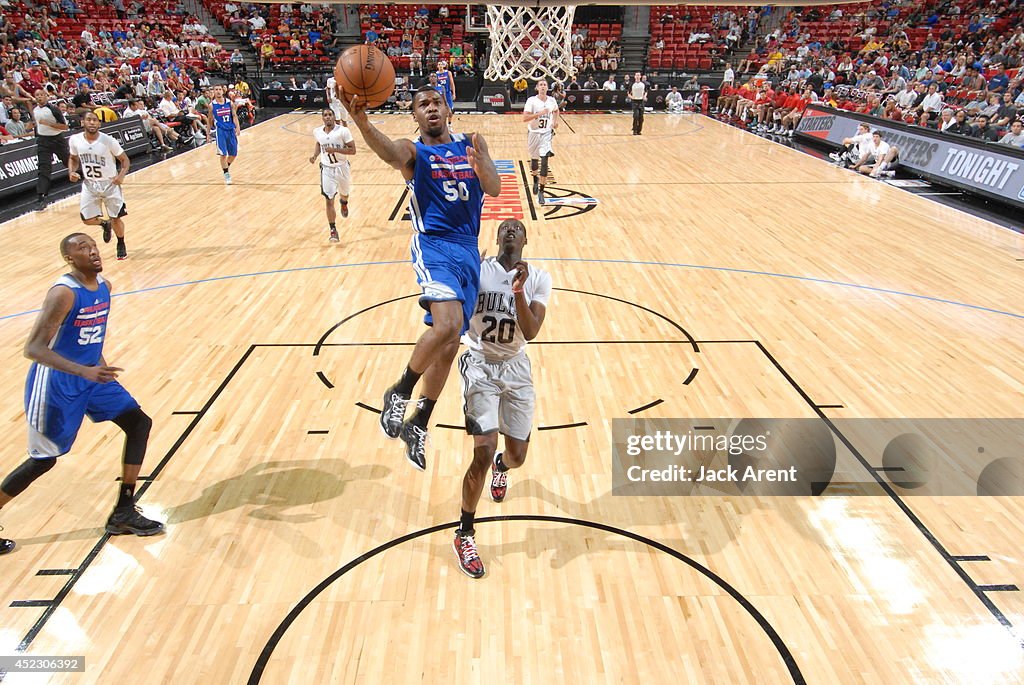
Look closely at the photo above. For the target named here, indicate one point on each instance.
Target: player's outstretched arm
(483, 165)
(401, 154)
(58, 303)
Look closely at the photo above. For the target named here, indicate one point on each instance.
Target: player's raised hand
(522, 273)
(479, 159)
(476, 155)
(101, 374)
(356, 106)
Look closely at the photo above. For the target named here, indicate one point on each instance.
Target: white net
(530, 42)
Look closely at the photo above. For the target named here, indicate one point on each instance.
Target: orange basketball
(365, 71)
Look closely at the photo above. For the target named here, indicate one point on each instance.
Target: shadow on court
(274, 487)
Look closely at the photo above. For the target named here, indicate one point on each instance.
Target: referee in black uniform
(638, 93)
(50, 141)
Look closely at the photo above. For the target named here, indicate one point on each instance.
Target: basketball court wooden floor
(719, 275)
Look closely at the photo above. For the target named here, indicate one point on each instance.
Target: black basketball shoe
(469, 559)
(126, 520)
(6, 546)
(392, 413)
(107, 230)
(415, 439)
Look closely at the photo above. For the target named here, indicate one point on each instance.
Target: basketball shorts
(340, 113)
(97, 196)
(56, 402)
(538, 143)
(335, 180)
(497, 396)
(446, 271)
(227, 142)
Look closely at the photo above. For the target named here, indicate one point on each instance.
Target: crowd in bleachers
(953, 65)
(947, 65)
(685, 37)
(97, 55)
(284, 35)
(596, 47)
(416, 38)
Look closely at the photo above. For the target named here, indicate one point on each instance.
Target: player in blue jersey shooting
(447, 175)
(69, 379)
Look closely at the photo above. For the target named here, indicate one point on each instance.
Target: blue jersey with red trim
(445, 82)
(80, 336)
(222, 115)
(445, 196)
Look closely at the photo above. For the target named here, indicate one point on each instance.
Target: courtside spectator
(674, 101)
(983, 131)
(150, 124)
(1015, 137)
(852, 146)
(16, 127)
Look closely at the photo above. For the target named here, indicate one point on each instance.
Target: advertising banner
(989, 169)
(596, 99)
(305, 99)
(493, 99)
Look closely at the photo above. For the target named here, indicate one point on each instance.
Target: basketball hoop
(530, 42)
